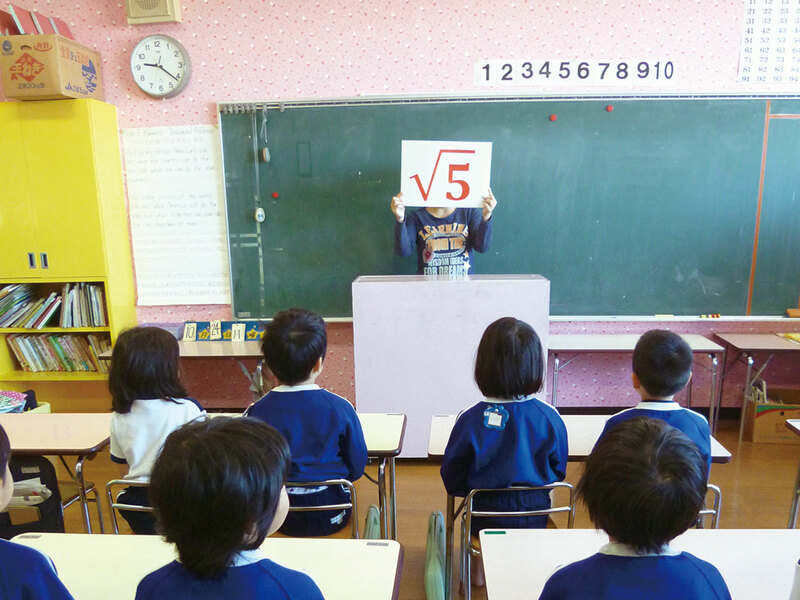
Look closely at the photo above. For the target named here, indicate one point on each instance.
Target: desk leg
(449, 524)
(713, 410)
(795, 501)
(556, 364)
(87, 524)
(745, 395)
(382, 500)
(392, 499)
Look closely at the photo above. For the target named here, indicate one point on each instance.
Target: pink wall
(257, 50)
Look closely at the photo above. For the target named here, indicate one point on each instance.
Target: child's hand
(489, 203)
(399, 209)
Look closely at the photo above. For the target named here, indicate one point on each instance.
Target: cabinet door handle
(43, 260)
(31, 260)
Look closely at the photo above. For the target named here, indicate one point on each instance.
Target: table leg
(87, 524)
(392, 498)
(382, 500)
(554, 393)
(713, 410)
(745, 395)
(795, 501)
(449, 524)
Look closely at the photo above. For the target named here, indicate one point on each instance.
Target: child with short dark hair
(24, 572)
(218, 490)
(644, 484)
(322, 429)
(149, 403)
(662, 366)
(509, 438)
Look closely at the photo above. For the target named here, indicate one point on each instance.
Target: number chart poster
(445, 174)
(770, 50)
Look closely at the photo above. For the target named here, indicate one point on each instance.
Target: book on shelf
(59, 352)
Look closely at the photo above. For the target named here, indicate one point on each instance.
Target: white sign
(445, 173)
(550, 72)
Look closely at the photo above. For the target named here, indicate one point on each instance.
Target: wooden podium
(415, 340)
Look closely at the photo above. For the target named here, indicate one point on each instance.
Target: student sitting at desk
(510, 438)
(25, 573)
(322, 429)
(444, 237)
(662, 366)
(643, 484)
(218, 489)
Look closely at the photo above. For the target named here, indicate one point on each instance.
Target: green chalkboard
(647, 208)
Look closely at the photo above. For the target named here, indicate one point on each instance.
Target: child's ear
(318, 367)
(280, 512)
(636, 383)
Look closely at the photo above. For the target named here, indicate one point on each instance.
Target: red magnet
(609, 108)
(275, 194)
(553, 117)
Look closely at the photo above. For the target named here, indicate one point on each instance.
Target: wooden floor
(756, 493)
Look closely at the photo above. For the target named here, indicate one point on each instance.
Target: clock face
(160, 66)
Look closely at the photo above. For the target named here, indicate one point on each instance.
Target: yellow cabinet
(63, 220)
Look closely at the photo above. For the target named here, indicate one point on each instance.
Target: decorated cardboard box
(765, 422)
(46, 67)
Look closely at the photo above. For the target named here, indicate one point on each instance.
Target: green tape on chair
(435, 558)
(372, 526)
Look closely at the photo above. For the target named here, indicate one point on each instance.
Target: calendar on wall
(770, 51)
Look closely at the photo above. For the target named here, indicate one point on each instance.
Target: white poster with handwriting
(445, 173)
(177, 210)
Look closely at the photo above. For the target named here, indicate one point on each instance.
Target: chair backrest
(113, 489)
(47, 516)
(569, 507)
(714, 510)
(353, 504)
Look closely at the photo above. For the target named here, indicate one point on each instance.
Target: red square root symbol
(26, 68)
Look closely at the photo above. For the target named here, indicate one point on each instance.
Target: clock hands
(158, 65)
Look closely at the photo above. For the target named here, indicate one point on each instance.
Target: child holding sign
(444, 236)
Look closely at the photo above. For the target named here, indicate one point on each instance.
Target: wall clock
(160, 66)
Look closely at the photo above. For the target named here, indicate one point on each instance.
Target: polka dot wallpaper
(247, 50)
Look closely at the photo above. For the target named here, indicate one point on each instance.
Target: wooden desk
(582, 434)
(793, 425)
(81, 435)
(755, 563)
(580, 344)
(383, 433)
(745, 345)
(215, 349)
(99, 567)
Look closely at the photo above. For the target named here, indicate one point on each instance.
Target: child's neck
(310, 381)
(441, 212)
(646, 397)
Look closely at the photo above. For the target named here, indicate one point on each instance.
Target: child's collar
(246, 557)
(509, 400)
(620, 549)
(295, 388)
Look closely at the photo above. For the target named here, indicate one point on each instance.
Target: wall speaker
(153, 11)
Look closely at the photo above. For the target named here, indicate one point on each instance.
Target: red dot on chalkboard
(275, 194)
(609, 108)
(553, 117)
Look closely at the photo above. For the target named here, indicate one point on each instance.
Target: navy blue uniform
(617, 573)
(27, 574)
(692, 424)
(443, 245)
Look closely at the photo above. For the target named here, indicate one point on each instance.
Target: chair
(353, 504)
(70, 493)
(468, 549)
(714, 510)
(115, 506)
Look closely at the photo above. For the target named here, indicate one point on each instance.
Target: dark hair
(214, 482)
(144, 365)
(662, 361)
(5, 453)
(509, 361)
(293, 342)
(644, 483)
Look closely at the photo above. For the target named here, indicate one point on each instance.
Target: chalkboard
(628, 206)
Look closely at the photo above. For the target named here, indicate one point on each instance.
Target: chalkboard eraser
(663, 316)
(794, 313)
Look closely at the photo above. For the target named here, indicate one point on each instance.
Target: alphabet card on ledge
(437, 173)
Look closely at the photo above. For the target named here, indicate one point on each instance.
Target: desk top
(619, 342)
(582, 434)
(100, 566)
(78, 434)
(793, 425)
(770, 342)
(755, 563)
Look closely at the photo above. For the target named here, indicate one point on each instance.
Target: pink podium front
(415, 340)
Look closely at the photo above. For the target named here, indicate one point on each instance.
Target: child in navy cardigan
(322, 429)
(644, 484)
(509, 438)
(218, 489)
(25, 573)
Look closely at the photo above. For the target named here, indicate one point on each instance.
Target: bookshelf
(64, 223)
